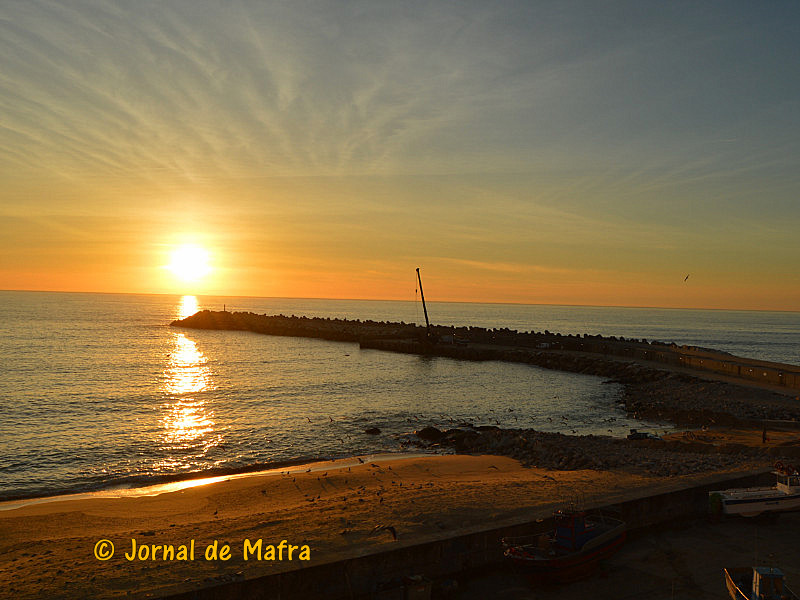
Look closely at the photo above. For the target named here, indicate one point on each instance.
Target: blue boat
(757, 583)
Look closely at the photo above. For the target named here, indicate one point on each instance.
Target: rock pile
(687, 400)
(568, 453)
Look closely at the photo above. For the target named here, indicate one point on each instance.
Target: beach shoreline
(177, 482)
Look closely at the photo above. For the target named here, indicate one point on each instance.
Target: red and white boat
(572, 550)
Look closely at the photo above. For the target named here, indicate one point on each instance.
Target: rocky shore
(686, 453)
(691, 401)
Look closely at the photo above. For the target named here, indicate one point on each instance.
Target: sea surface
(98, 392)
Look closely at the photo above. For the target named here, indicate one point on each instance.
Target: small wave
(134, 482)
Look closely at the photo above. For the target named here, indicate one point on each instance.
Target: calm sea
(98, 391)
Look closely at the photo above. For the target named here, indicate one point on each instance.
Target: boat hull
(734, 575)
(737, 504)
(739, 582)
(750, 502)
(568, 567)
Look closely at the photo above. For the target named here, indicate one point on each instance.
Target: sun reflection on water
(187, 422)
(187, 372)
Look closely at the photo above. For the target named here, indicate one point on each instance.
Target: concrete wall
(692, 358)
(603, 358)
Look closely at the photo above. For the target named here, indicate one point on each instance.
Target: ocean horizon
(99, 392)
(326, 299)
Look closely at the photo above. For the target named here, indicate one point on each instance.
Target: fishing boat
(757, 583)
(752, 501)
(572, 550)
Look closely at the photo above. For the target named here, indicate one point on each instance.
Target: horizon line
(406, 300)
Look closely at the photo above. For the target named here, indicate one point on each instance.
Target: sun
(190, 263)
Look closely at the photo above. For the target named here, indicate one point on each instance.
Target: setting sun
(190, 263)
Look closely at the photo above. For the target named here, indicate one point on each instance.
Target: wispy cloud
(507, 268)
(271, 89)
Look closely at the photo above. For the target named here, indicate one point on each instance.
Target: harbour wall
(381, 575)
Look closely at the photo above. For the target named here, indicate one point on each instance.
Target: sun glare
(190, 263)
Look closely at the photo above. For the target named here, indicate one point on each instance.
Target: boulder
(429, 434)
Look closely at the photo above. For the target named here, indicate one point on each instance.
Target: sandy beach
(337, 509)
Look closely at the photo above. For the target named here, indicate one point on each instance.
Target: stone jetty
(686, 385)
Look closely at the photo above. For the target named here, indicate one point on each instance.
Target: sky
(564, 152)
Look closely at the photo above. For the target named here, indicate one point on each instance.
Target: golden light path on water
(188, 425)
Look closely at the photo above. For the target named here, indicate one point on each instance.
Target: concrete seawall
(379, 575)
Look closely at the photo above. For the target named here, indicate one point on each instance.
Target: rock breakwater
(657, 383)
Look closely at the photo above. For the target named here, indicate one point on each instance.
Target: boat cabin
(572, 530)
(768, 583)
(786, 481)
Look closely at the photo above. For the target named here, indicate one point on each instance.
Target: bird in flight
(686, 278)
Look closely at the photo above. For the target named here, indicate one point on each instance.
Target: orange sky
(522, 153)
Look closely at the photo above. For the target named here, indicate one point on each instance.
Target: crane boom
(424, 308)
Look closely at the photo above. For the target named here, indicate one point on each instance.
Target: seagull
(388, 528)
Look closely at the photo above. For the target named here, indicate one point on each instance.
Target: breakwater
(626, 360)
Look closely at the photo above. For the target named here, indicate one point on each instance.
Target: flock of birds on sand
(328, 485)
(338, 487)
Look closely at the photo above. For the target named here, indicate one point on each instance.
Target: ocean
(98, 392)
